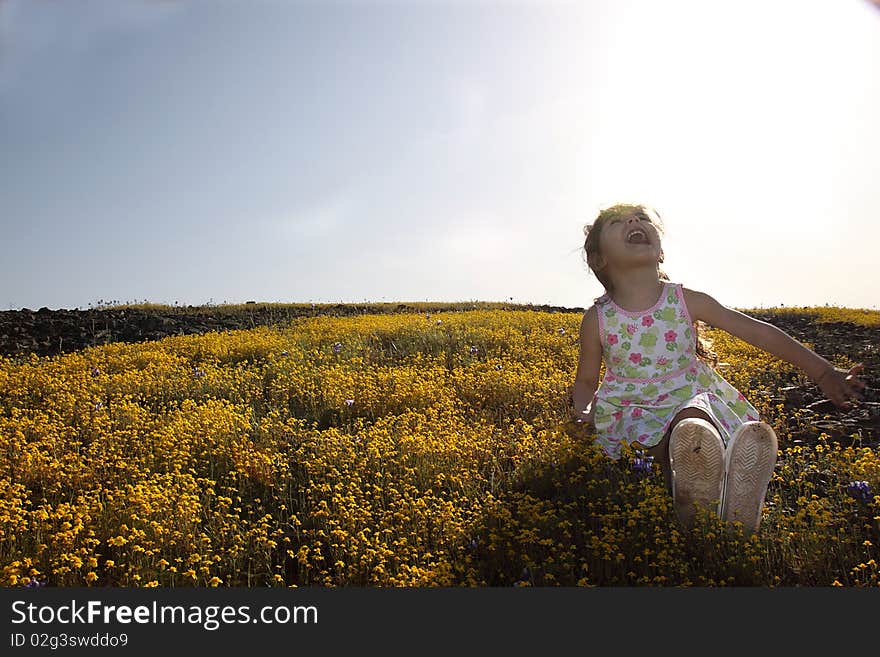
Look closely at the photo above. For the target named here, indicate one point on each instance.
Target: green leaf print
(667, 314)
(609, 313)
(630, 387)
(683, 360)
(648, 339)
(671, 298)
(671, 346)
(685, 392)
(654, 424)
(650, 390)
(704, 380)
(645, 361)
(687, 333)
(625, 345)
(739, 407)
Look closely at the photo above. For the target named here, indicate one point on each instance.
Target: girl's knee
(692, 412)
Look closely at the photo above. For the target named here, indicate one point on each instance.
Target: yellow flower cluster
(409, 449)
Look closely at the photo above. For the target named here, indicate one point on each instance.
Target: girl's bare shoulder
(701, 306)
(590, 321)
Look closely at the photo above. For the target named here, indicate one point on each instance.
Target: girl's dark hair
(591, 253)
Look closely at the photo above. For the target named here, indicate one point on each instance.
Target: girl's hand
(840, 385)
(586, 417)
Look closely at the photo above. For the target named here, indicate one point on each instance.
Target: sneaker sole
(751, 457)
(696, 456)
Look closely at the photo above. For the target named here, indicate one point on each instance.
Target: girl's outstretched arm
(589, 362)
(839, 385)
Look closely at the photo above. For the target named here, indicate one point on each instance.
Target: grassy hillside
(419, 448)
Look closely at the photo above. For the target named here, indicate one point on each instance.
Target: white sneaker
(696, 457)
(749, 463)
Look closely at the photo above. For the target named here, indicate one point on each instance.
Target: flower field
(414, 449)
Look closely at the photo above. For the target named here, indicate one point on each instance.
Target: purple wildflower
(34, 584)
(642, 465)
(198, 372)
(95, 371)
(474, 349)
(349, 402)
(337, 347)
(860, 490)
(284, 353)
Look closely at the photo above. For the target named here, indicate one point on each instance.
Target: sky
(210, 152)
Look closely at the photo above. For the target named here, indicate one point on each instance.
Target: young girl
(660, 389)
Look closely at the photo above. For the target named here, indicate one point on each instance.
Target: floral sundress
(652, 372)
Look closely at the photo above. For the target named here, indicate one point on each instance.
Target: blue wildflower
(474, 349)
(642, 464)
(860, 490)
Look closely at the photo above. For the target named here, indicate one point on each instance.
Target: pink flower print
(615, 359)
(637, 412)
(617, 415)
(647, 320)
(740, 397)
(670, 336)
(663, 360)
(609, 377)
(753, 419)
(693, 370)
(663, 397)
(635, 358)
(626, 402)
(631, 328)
(612, 338)
(643, 438)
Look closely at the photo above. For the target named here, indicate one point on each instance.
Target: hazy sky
(298, 151)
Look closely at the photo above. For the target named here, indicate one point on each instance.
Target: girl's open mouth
(637, 236)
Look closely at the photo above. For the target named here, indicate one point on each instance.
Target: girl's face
(629, 239)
